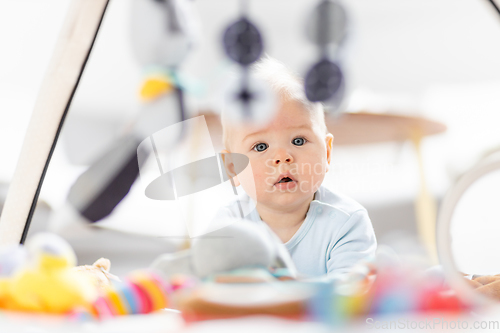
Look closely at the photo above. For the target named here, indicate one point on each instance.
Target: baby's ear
(329, 144)
(229, 167)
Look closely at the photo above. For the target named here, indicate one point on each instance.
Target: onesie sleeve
(355, 241)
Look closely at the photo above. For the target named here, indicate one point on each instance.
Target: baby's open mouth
(285, 180)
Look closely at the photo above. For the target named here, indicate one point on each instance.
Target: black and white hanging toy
(248, 99)
(326, 27)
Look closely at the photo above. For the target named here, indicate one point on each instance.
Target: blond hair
(285, 84)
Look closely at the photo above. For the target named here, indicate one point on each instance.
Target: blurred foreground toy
(98, 273)
(47, 283)
(221, 300)
(241, 244)
(141, 292)
(381, 288)
(396, 288)
(11, 258)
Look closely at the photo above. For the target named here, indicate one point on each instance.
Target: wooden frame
(65, 69)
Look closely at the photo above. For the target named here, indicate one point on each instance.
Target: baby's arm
(355, 241)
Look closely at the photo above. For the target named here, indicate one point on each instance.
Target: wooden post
(54, 98)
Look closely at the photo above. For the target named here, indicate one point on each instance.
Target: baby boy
(326, 233)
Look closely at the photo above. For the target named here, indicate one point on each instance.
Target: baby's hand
(487, 285)
(487, 279)
(473, 284)
(491, 290)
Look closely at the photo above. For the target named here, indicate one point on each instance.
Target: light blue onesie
(336, 234)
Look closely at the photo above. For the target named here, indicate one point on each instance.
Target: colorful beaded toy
(142, 292)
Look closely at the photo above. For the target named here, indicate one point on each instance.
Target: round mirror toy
(468, 230)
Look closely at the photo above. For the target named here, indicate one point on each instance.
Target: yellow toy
(156, 86)
(47, 283)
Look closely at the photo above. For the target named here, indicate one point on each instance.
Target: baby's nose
(283, 158)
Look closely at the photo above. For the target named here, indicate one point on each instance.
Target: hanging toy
(243, 42)
(163, 33)
(326, 28)
(156, 86)
(248, 98)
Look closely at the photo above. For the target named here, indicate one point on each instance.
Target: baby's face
(289, 157)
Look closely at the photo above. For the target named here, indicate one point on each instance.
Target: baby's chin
(282, 200)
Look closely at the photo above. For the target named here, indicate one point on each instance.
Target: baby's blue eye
(299, 141)
(260, 147)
